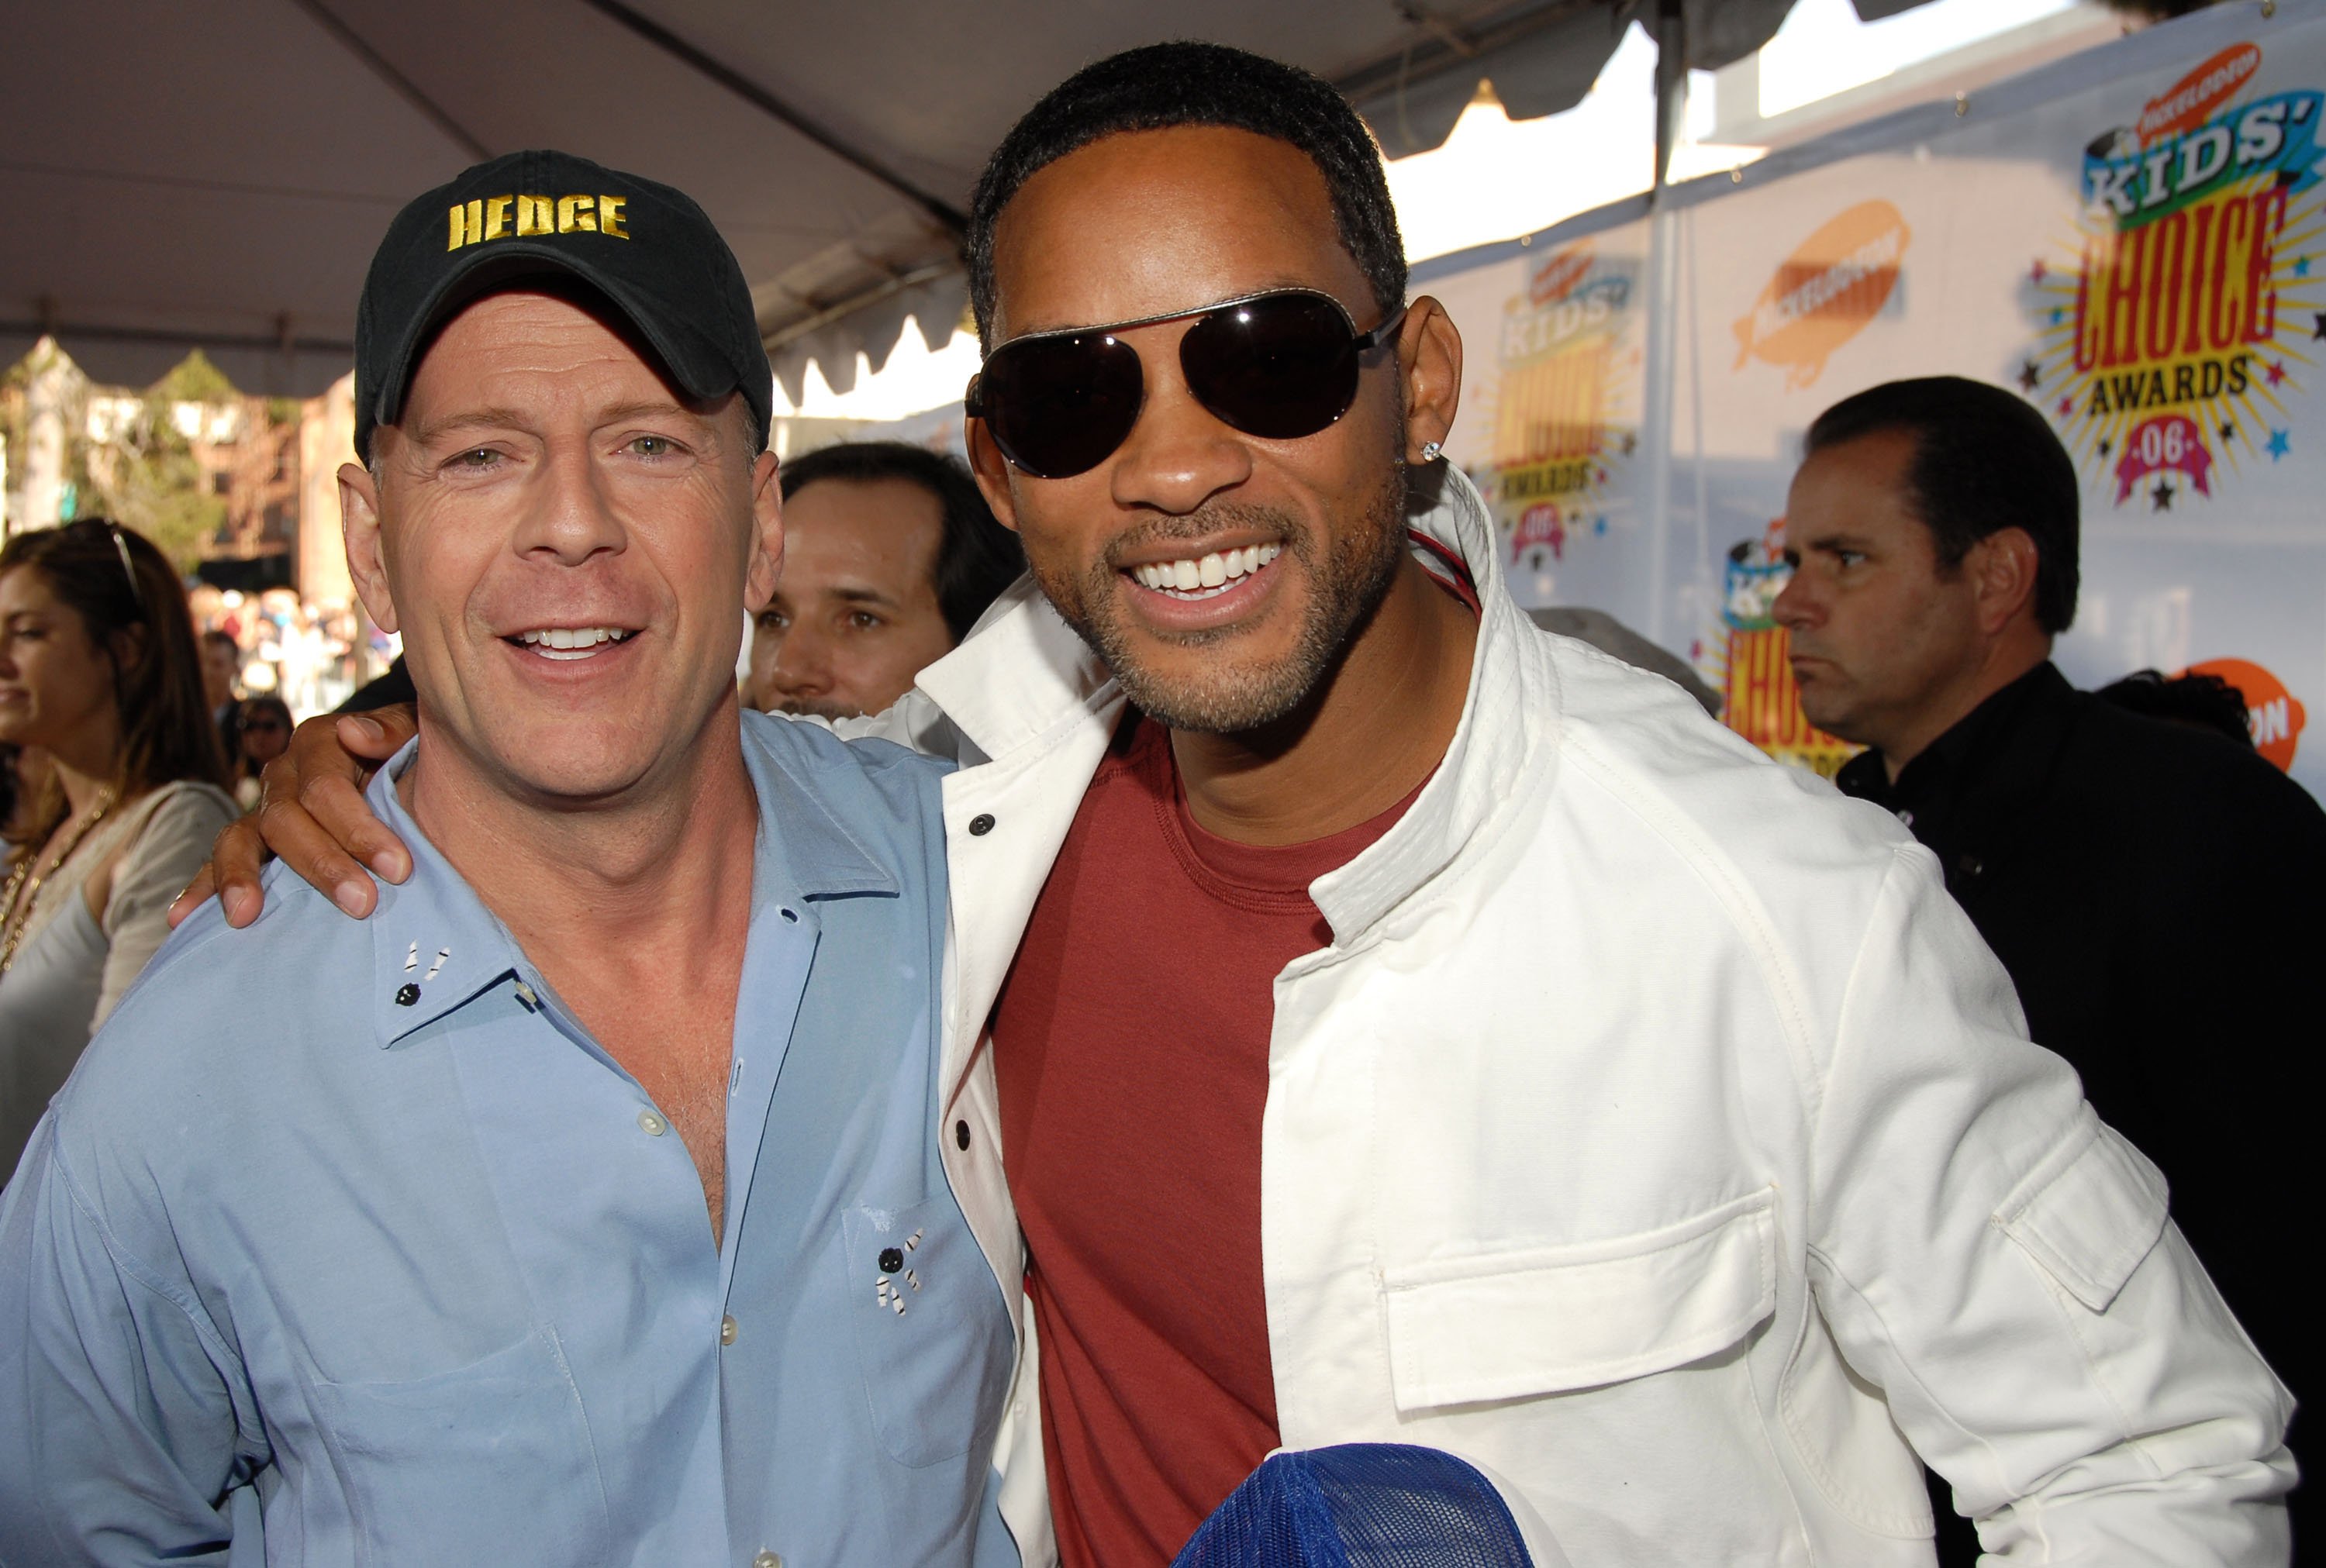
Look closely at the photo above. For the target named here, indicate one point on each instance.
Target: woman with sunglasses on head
(98, 669)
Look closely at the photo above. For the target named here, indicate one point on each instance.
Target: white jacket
(1657, 1133)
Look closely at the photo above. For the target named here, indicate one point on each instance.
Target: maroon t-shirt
(1130, 1053)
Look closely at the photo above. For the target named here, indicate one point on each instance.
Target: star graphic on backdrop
(2279, 444)
(2106, 446)
(2058, 315)
(1603, 475)
(1599, 525)
(2161, 495)
(2320, 330)
(2275, 373)
(2067, 406)
(2302, 266)
(2036, 272)
(1631, 443)
(2228, 432)
(2030, 375)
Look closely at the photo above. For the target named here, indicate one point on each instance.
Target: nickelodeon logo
(1825, 293)
(1556, 278)
(2183, 106)
(2274, 714)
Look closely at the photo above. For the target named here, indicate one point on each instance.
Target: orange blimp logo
(2274, 714)
(1825, 293)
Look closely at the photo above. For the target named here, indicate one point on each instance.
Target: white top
(72, 969)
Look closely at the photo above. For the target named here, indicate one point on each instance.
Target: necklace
(24, 887)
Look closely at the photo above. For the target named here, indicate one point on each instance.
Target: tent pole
(1672, 84)
(1657, 393)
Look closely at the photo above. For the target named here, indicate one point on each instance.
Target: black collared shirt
(1925, 794)
(2158, 895)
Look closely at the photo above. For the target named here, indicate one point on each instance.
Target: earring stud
(1429, 452)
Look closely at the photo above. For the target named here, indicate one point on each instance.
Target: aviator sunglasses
(1280, 365)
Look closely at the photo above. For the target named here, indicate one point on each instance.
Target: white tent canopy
(216, 176)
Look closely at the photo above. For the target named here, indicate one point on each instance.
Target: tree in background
(146, 475)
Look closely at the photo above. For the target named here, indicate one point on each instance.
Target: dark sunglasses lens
(1279, 367)
(1057, 406)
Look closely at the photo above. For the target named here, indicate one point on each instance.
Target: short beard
(1350, 576)
(829, 711)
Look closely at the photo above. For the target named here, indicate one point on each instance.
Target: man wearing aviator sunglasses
(1281, 364)
(1401, 1024)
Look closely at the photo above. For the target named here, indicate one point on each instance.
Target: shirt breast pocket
(1563, 1318)
(932, 1339)
(489, 1462)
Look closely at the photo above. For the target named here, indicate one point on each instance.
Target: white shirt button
(653, 1126)
(727, 1330)
(767, 1560)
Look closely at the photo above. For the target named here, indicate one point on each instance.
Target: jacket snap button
(980, 824)
(1971, 866)
(961, 1135)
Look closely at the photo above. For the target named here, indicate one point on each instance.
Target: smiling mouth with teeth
(572, 642)
(1205, 576)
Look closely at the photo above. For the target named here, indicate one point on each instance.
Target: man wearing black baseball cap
(581, 1205)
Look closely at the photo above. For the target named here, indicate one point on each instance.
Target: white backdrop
(2135, 239)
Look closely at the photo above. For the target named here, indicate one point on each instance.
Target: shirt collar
(1981, 753)
(1023, 678)
(435, 946)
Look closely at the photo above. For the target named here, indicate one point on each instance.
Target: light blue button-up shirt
(347, 1243)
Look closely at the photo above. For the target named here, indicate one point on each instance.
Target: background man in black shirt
(2158, 894)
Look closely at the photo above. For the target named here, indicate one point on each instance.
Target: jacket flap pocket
(1552, 1319)
(2088, 1212)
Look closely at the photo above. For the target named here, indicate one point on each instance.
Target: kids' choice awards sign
(2171, 342)
(1552, 402)
(2132, 239)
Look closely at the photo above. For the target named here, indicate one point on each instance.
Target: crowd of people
(275, 644)
(1159, 962)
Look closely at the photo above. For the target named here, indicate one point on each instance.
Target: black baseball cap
(647, 248)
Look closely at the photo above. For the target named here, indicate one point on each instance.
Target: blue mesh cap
(1361, 1504)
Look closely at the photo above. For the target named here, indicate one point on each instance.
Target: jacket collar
(1022, 679)
(1510, 702)
(1020, 672)
(435, 936)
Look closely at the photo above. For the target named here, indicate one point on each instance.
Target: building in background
(240, 492)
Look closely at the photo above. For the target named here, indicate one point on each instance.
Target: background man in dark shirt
(2157, 893)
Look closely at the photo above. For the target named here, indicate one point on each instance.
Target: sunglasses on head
(1278, 364)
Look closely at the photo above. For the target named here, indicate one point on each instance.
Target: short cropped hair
(1162, 85)
(1984, 460)
(977, 557)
